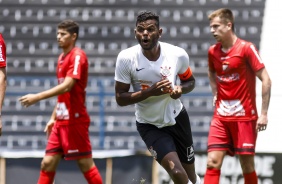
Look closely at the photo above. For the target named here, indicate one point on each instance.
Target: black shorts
(176, 138)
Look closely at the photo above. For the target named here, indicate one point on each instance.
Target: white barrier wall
(270, 50)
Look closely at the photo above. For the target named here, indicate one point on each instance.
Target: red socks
(212, 176)
(251, 178)
(46, 177)
(93, 176)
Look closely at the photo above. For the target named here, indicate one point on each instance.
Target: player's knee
(178, 175)
(213, 162)
(50, 163)
(247, 167)
(45, 164)
(85, 164)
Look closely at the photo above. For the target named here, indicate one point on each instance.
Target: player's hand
(29, 99)
(0, 126)
(262, 123)
(48, 127)
(214, 100)
(176, 92)
(161, 87)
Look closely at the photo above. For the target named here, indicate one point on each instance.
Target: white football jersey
(132, 67)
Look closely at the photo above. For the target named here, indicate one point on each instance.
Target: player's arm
(50, 123)
(212, 74)
(262, 74)
(122, 85)
(187, 81)
(212, 79)
(3, 84)
(266, 89)
(124, 97)
(187, 84)
(64, 87)
(53, 115)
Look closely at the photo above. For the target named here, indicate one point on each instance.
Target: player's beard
(152, 43)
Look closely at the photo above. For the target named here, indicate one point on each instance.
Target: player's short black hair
(70, 25)
(147, 15)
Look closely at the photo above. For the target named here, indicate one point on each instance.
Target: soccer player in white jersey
(152, 67)
(234, 65)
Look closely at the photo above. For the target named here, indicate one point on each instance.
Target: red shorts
(72, 141)
(234, 137)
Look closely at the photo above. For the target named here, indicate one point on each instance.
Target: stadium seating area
(106, 27)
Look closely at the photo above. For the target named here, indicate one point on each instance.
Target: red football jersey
(236, 80)
(2, 52)
(71, 105)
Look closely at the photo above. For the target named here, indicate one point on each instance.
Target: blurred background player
(162, 121)
(234, 65)
(68, 126)
(3, 74)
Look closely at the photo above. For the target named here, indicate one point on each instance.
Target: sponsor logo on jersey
(229, 77)
(139, 69)
(73, 151)
(224, 58)
(247, 144)
(231, 108)
(190, 153)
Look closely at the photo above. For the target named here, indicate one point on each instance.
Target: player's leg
(78, 147)
(245, 145)
(89, 170)
(190, 170)
(162, 148)
(214, 163)
(48, 169)
(219, 144)
(51, 159)
(173, 166)
(248, 167)
(182, 136)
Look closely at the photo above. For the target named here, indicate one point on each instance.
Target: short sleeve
(76, 64)
(183, 63)
(122, 70)
(2, 52)
(253, 57)
(210, 59)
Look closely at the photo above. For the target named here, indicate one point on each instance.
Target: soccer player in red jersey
(3, 74)
(234, 65)
(68, 126)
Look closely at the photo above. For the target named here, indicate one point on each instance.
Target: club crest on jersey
(225, 66)
(165, 71)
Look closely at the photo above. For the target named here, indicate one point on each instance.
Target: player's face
(64, 38)
(219, 29)
(147, 34)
